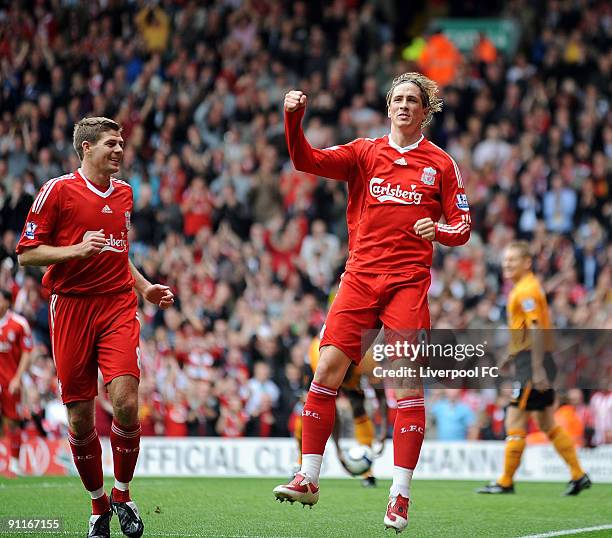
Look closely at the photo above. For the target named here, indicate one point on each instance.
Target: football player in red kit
(399, 187)
(15, 348)
(78, 227)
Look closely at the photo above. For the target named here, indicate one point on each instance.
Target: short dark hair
(90, 130)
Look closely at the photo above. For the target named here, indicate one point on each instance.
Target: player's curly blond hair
(429, 93)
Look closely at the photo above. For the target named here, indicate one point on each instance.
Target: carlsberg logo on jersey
(385, 192)
(113, 244)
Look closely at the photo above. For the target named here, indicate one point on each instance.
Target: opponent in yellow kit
(531, 346)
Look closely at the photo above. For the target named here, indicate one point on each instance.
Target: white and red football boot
(301, 489)
(397, 513)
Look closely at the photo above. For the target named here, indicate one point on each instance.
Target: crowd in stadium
(252, 248)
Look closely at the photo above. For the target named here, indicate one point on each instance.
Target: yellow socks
(565, 447)
(515, 444)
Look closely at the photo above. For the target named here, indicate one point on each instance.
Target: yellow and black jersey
(527, 307)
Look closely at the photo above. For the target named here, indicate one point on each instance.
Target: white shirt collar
(92, 188)
(404, 149)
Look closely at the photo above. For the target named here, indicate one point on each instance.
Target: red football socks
(318, 418)
(120, 495)
(125, 443)
(100, 506)
(408, 432)
(87, 456)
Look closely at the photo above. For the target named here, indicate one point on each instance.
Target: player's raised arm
(335, 162)
(455, 208)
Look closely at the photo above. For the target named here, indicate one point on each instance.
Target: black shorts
(529, 399)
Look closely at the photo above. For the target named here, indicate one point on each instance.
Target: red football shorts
(10, 404)
(90, 332)
(366, 302)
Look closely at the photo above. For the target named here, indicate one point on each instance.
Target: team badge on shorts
(429, 176)
(128, 223)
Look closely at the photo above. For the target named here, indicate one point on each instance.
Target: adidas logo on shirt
(401, 161)
(106, 209)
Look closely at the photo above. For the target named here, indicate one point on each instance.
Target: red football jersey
(390, 188)
(65, 209)
(15, 339)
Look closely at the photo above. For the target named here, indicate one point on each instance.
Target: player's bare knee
(80, 417)
(331, 368)
(415, 392)
(545, 420)
(516, 419)
(123, 393)
(125, 410)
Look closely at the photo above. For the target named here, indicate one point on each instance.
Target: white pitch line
(567, 532)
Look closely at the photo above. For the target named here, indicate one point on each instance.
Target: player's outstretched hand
(159, 295)
(93, 243)
(425, 228)
(294, 100)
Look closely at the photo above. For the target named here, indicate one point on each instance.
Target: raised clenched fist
(294, 100)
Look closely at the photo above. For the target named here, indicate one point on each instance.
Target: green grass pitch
(224, 507)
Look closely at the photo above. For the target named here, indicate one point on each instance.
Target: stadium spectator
(559, 206)
(154, 26)
(601, 409)
(261, 386)
(453, 419)
(573, 416)
(484, 51)
(440, 59)
(491, 426)
(320, 255)
(232, 418)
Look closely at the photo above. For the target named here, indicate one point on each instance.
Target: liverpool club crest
(429, 176)
(128, 224)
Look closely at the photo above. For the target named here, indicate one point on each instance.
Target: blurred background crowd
(252, 248)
